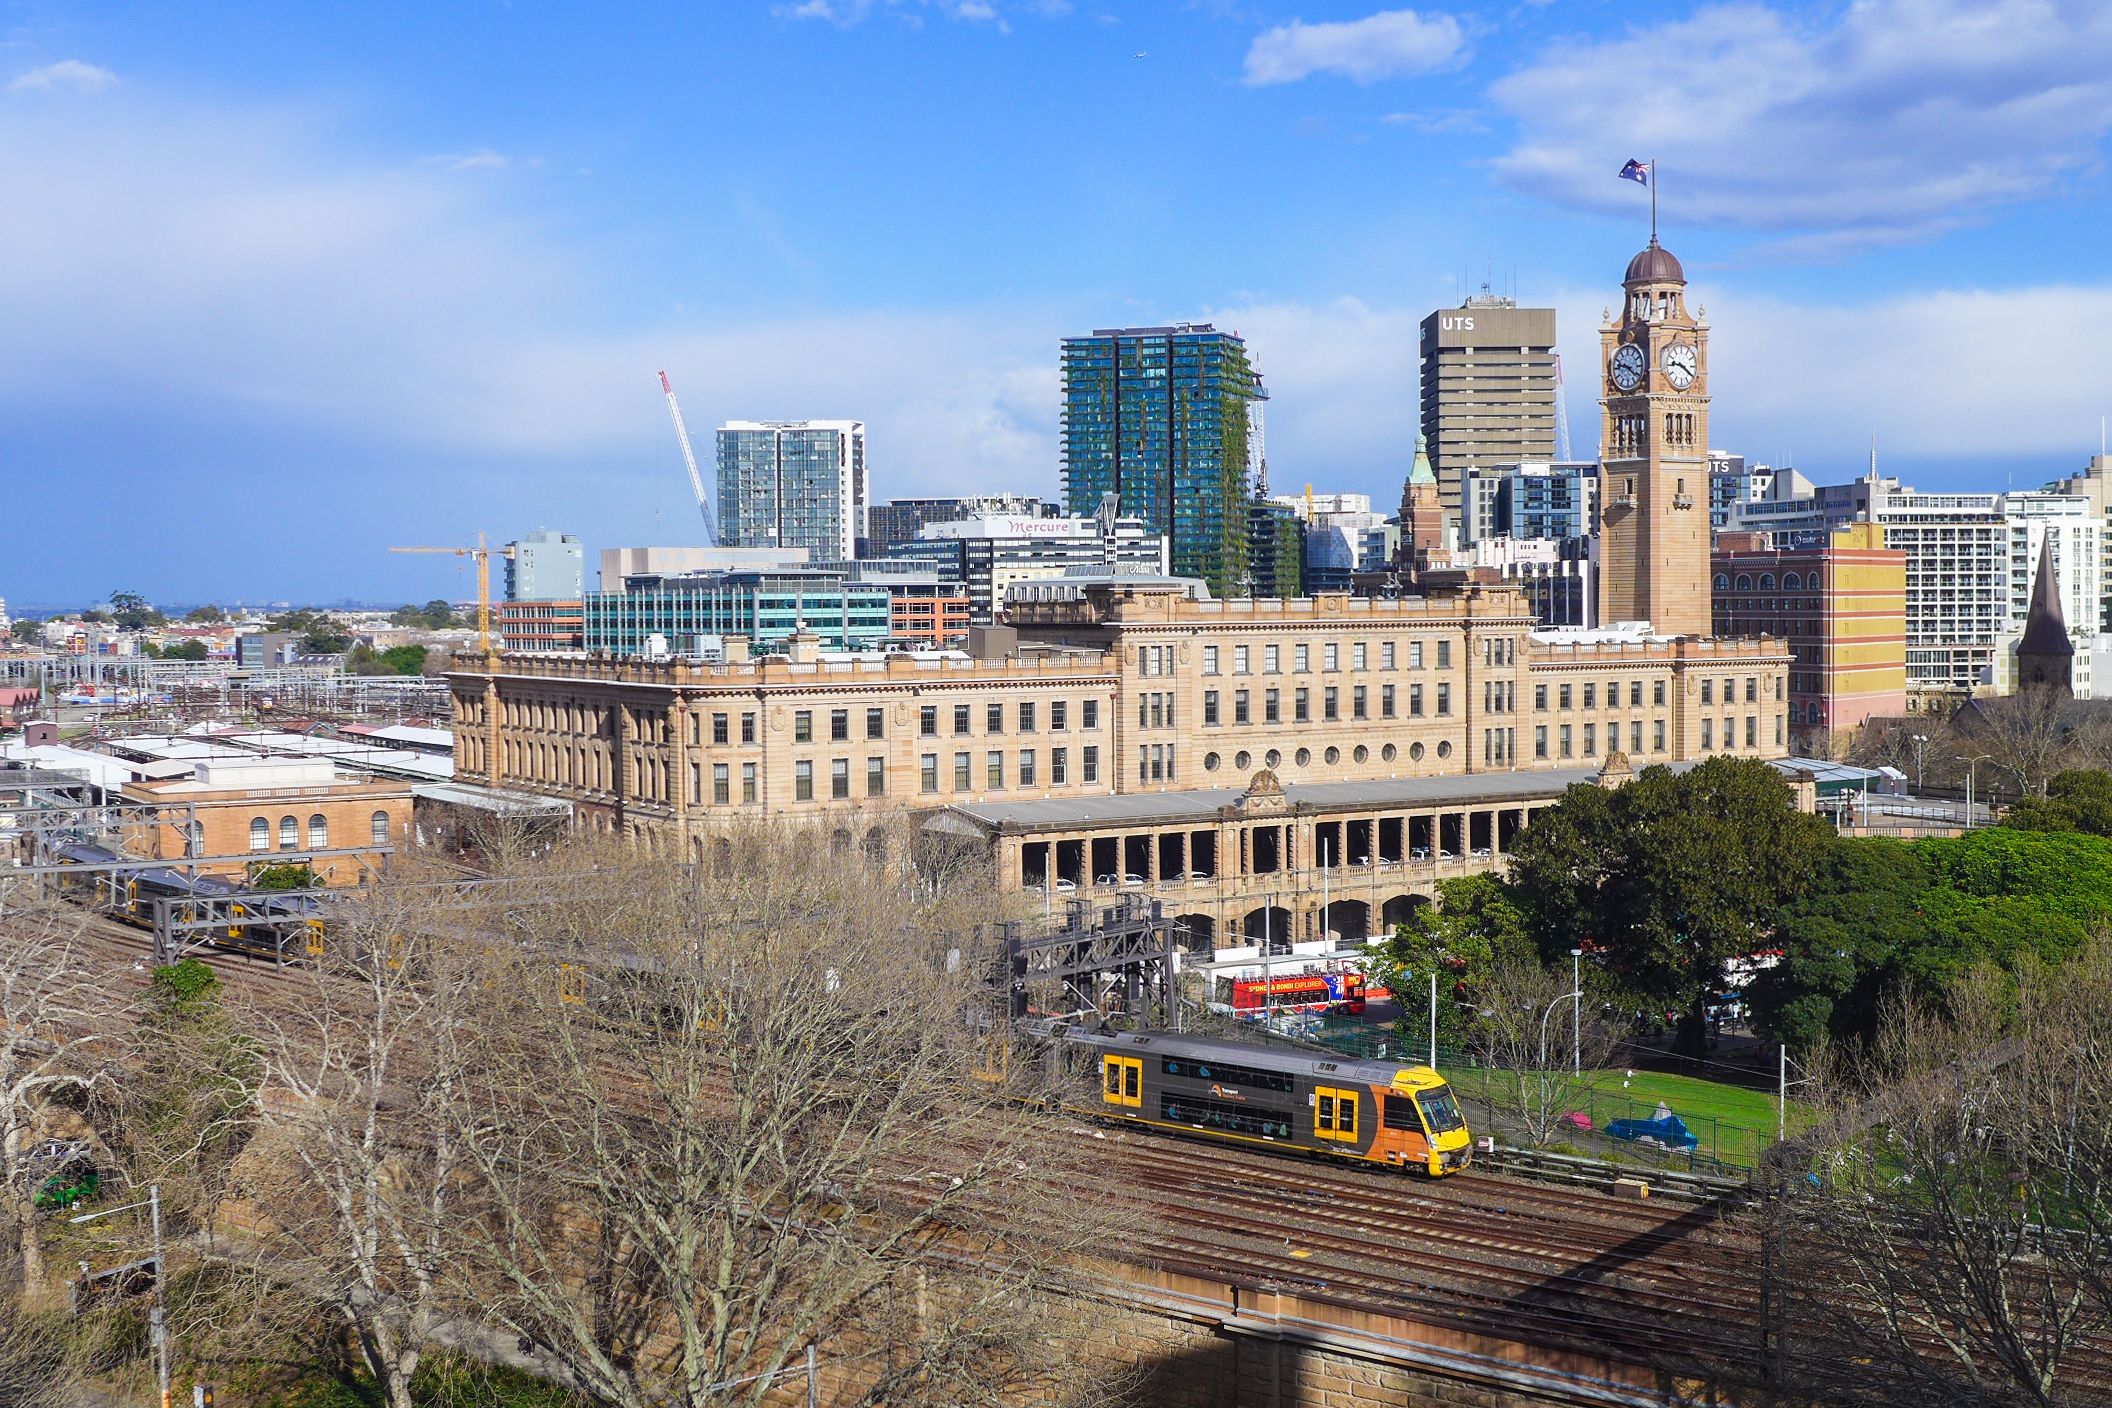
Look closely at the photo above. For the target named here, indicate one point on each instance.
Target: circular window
(1444, 749)
(1305, 757)
(1362, 754)
(1210, 761)
(1242, 760)
(1334, 755)
(1274, 758)
(1387, 752)
(1415, 752)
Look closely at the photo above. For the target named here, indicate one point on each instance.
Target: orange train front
(1347, 1107)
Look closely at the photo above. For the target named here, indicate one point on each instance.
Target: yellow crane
(483, 556)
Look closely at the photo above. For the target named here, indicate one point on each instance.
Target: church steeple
(2045, 655)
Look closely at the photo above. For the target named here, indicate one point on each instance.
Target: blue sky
(283, 285)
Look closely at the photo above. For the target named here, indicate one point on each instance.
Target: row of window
(318, 832)
(1304, 756)
(1025, 770)
(1158, 659)
(1562, 738)
(1302, 704)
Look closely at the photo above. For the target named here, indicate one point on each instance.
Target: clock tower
(1654, 453)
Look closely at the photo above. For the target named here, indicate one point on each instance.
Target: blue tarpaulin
(1670, 1131)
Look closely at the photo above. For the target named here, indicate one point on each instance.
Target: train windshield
(1441, 1110)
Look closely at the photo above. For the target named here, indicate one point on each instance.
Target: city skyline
(254, 254)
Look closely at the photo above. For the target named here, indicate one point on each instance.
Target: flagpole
(1653, 200)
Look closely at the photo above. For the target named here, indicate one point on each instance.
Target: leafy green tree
(205, 615)
(1668, 878)
(25, 630)
(404, 659)
(1882, 917)
(2077, 800)
(182, 650)
(294, 876)
(132, 612)
(1474, 927)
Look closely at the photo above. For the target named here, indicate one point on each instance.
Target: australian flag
(1636, 171)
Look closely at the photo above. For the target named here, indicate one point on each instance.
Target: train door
(132, 898)
(1123, 1078)
(1334, 1114)
(315, 937)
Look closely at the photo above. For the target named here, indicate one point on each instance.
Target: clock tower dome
(1654, 453)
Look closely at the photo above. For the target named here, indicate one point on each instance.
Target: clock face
(1628, 365)
(1680, 365)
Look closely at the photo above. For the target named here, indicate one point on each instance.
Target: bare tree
(2030, 735)
(1540, 1062)
(359, 1077)
(1955, 1251)
(731, 1117)
(56, 1023)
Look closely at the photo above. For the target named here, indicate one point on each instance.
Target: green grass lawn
(1732, 1122)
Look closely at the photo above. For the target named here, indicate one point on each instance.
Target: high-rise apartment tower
(1488, 388)
(793, 484)
(1654, 446)
(1159, 417)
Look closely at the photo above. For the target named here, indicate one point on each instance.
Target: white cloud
(1384, 45)
(69, 75)
(1888, 116)
(484, 160)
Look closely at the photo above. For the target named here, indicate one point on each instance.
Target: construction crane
(1561, 414)
(696, 480)
(483, 556)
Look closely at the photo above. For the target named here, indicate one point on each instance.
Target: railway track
(129, 955)
(1569, 1270)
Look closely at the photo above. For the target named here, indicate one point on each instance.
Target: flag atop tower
(1638, 171)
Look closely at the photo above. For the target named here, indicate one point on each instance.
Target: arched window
(1745, 582)
(259, 834)
(318, 832)
(196, 842)
(380, 833)
(1767, 581)
(289, 833)
(1792, 582)
(1723, 581)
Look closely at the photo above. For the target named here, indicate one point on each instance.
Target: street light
(1577, 997)
(1921, 749)
(1981, 758)
(1576, 1013)
(161, 1314)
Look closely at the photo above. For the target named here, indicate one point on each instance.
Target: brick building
(1840, 609)
(276, 809)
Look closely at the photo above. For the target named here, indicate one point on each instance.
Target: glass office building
(793, 484)
(1158, 417)
(765, 607)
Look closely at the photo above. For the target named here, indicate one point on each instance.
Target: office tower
(1969, 566)
(1840, 604)
(1654, 445)
(1488, 394)
(1160, 418)
(987, 554)
(1275, 549)
(890, 524)
(793, 483)
(546, 566)
(2095, 485)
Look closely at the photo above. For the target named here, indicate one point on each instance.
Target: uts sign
(1489, 327)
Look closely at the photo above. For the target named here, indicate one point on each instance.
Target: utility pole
(1576, 1013)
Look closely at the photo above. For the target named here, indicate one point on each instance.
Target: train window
(1221, 1073)
(1400, 1114)
(259, 834)
(1441, 1110)
(1334, 1113)
(289, 833)
(318, 832)
(1201, 1113)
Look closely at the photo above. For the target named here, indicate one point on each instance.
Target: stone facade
(1131, 689)
(1654, 436)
